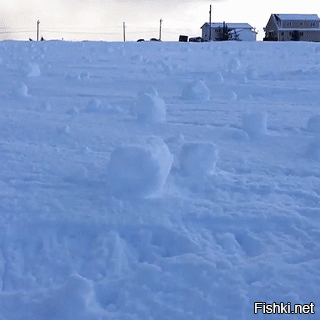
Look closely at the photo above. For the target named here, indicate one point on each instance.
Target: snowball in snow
(139, 171)
(313, 124)
(216, 77)
(255, 124)
(234, 64)
(198, 158)
(21, 90)
(30, 69)
(150, 107)
(137, 58)
(251, 73)
(196, 91)
(93, 105)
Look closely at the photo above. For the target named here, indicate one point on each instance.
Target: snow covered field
(158, 180)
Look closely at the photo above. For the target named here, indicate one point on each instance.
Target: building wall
(299, 35)
(295, 24)
(292, 30)
(244, 35)
(247, 35)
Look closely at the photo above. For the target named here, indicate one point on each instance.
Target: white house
(236, 31)
(293, 27)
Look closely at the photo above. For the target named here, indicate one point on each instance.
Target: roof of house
(297, 16)
(230, 25)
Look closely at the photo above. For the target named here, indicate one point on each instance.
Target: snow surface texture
(112, 213)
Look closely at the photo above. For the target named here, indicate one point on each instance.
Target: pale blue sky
(103, 20)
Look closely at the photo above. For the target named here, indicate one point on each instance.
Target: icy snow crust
(74, 245)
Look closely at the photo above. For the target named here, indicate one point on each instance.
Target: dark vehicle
(154, 39)
(183, 38)
(140, 40)
(196, 39)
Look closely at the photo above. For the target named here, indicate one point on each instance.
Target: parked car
(196, 39)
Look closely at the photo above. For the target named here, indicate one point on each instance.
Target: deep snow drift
(158, 180)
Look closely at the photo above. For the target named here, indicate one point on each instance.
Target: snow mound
(313, 151)
(136, 59)
(216, 77)
(238, 135)
(234, 64)
(93, 106)
(74, 300)
(196, 91)
(150, 107)
(198, 159)
(139, 171)
(251, 73)
(21, 91)
(96, 106)
(313, 124)
(33, 70)
(255, 123)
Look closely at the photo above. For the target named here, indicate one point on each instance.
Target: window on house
(301, 23)
(313, 24)
(282, 33)
(289, 24)
(290, 33)
(301, 33)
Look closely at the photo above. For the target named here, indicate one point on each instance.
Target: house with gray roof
(236, 31)
(292, 27)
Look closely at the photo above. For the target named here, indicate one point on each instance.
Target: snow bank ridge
(139, 171)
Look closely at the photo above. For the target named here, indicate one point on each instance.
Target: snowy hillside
(158, 180)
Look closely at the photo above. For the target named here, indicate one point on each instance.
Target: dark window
(301, 33)
(282, 33)
(290, 33)
(289, 24)
(301, 23)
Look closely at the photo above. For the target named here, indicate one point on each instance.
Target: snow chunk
(216, 77)
(251, 73)
(150, 107)
(30, 69)
(21, 91)
(234, 64)
(93, 105)
(313, 123)
(255, 124)
(198, 158)
(139, 171)
(196, 91)
(74, 300)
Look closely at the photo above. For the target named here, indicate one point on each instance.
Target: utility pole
(38, 22)
(160, 29)
(124, 32)
(210, 24)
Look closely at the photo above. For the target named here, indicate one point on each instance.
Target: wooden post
(38, 22)
(210, 24)
(160, 29)
(124, 32)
